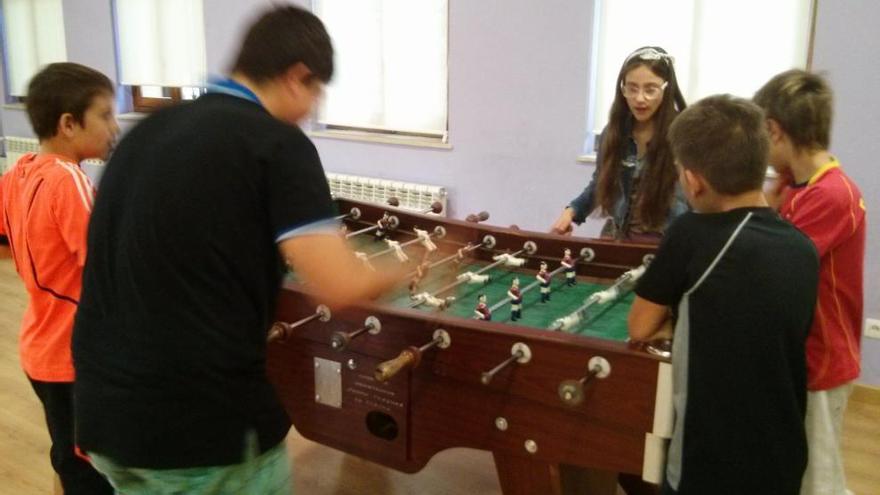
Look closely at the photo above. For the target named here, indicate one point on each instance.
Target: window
(34, 37)
(161, 50)
(390, 73)
(149, 98)
(719, 46)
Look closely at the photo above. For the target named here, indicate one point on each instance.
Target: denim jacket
(585, 203)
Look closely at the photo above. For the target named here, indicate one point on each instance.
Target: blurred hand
(330, 267)
(776, 192)
(563, 224)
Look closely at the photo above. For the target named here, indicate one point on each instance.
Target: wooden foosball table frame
(541, 443)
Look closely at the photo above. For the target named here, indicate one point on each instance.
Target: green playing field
(606, 321)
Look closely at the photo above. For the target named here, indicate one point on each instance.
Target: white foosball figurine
(434, 302)
(604, 296)
(366, 259)
(473, 278)
(509, 260)
(566, 322)
(425, 237)
(398, 251)
(635, 274)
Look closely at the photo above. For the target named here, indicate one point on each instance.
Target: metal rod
(487, 376)
(280, 330)
(478, 272)
(435, 342)
(466, 249)
(592, 299)
(340, 340)
(402, 245)
(343, 216)
(362, 231)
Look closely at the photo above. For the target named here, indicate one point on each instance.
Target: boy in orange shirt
(45, 202)
(815, 195)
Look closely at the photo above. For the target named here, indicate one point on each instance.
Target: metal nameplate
(328, 382)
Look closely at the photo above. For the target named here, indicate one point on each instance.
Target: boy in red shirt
(45, 202)
(816, 196)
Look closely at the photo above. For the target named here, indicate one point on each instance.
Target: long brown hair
(657, 183)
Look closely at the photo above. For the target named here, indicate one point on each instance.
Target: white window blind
(719, 46)
(161, 42)
(390, 65)
(34, 37)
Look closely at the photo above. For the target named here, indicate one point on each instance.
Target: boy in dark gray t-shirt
(739, 286)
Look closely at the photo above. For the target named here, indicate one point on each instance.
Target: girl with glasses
(635, 181)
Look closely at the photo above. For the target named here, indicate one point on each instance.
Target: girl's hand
(562, 225)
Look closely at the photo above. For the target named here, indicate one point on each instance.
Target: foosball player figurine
(384, 225)
(482, 311)
(568, 264)
(515, 296)
(398, 250)
(421, 272)
(543, 277)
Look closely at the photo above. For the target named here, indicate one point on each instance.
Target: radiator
(17, 146)
(417, 197)
(412, 196)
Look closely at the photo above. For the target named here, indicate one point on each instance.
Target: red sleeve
(2, 210)
(828, 215)
(72, 207)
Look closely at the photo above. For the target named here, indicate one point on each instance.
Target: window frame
(592, 133)
(146, 104)
(320, 128)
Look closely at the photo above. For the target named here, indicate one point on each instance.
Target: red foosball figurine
(482, 310)
(515, 296)
(568, 264)
(383, 226)
(543, 277)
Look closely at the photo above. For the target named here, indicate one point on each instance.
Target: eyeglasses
(650, 92)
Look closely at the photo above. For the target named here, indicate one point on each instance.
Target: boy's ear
(298, 75)
(67, 125)
(694, 182)
(775, 130)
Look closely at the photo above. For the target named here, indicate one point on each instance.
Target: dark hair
(801, 103)
(281, 38)
(60, 88)
(725, 140)
(657, 183)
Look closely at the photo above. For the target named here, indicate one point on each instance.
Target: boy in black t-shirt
(739, 286)
(199, 205)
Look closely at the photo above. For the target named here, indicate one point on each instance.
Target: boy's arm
(5, 252)
(663, 284)
(300, 212)
(338, 278)
(828, 220)
(648, 320)
(72, 206)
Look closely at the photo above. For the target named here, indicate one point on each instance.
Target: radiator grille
(16, 147)
(412, 196)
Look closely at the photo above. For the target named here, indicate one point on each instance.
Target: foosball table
(502, 340)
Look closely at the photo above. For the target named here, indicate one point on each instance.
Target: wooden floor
(318, 470)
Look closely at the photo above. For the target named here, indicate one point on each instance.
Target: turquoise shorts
(265, 474)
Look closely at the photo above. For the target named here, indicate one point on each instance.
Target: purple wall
(846, 48)
(518, 85)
